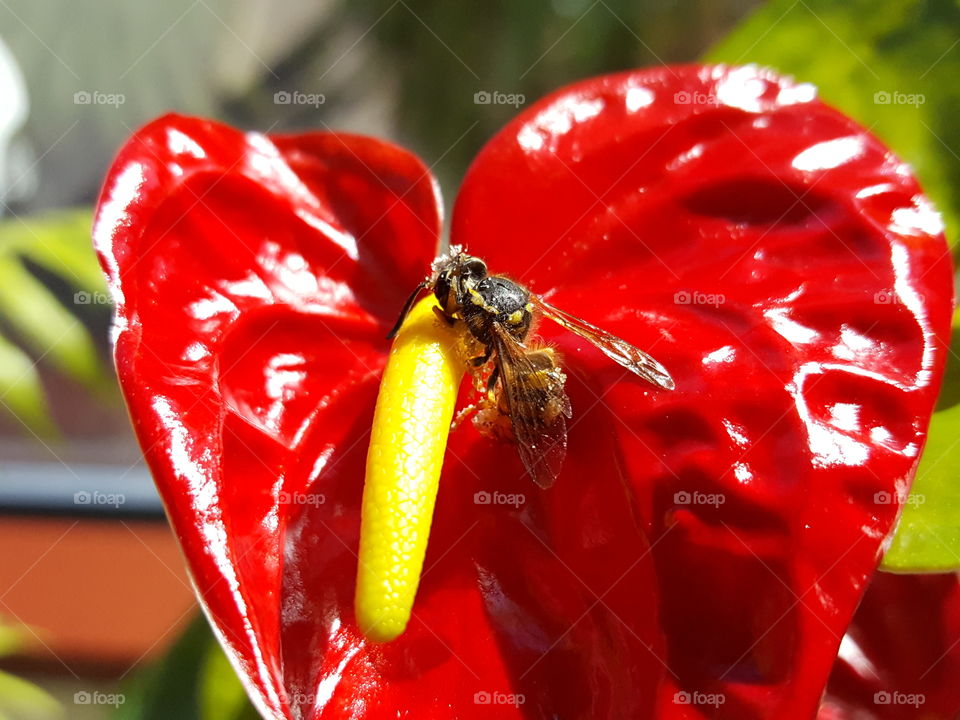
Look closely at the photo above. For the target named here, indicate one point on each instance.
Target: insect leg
(492, 382)
(481, 359)
(406, 308)
(443, 316)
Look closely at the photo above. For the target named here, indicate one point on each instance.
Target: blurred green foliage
(440, 54)
(194, 681)
(20, 699)
(49, 275)
(928, 536)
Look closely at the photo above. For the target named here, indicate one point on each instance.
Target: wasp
(525, 386)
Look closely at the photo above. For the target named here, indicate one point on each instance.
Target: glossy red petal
(900, 658)
(788, 271)
(255, 279)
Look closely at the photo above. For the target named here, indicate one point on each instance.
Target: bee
(526, 383)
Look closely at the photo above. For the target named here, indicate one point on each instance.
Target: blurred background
(97, 618)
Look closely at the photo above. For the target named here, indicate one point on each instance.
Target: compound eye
(442, 288)
(474, 267)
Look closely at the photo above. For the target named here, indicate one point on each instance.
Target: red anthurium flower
(703, 550)
(900, 658)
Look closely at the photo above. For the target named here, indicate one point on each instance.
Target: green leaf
(928, 534)
(60, 242)
(45, 325)
(222, 697)
(193, 682)
(891, 64)
(42, 315)
(25, 701)
(20, 699)
(20, 391)
(11, 638)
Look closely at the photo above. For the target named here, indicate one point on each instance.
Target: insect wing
(538, 405)
(632, 358)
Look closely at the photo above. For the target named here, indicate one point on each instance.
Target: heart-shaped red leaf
(789, 273)
(900, 657)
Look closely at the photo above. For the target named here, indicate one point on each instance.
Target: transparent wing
(538, 406)
(632, 358)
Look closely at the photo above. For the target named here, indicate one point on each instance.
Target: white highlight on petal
(112, 214)
(737, 433)
(878, 189)
(332, 680)
(795, 94)
(182, 144)
(685, 157)
(251, 286)
(267, 163)
(345, 240)
(745, 87)
(284, 370)
(530, 139)
(211, 306)
(742, 472)
(721, 355)
(829, 154)
(789, 328)
(557, 120)
(828, 441)
(195, 352)
(639, 97)
(855, 658)
(921, 219)
(845, 416)
(908, 295)
(852, 344)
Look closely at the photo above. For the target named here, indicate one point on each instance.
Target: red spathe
(703, 550)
